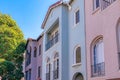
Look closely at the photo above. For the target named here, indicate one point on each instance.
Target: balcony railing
(51, 42)
(47, 76)
(98, 69)
(119, 59)
(106, 3)
(55, 74)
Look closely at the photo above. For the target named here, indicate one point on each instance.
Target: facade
(77, 53)
(33, 59)
(64, 20)
(55, 43)
(103, 39)
(81, 41)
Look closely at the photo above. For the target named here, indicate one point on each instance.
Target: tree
(12, 46)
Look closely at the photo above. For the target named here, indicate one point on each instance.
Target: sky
(29, 14)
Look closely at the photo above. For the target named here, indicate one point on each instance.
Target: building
(33, 60)
(76, 39)
(81, 41)
(64, 55)
(103, 39)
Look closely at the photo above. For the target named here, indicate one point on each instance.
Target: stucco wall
(77, 38)
(103, 23)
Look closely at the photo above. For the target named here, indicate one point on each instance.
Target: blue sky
(28, 14)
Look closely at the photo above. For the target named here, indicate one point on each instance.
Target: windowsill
(76, 24)
(77, 64)
(96, 10)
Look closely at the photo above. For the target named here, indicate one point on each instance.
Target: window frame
(75, 23)
(74, 56)
(118, 42)
(95, 7)
(40, 49)
(99, 66)
(35, 52)
(56, 64)
(39, 72)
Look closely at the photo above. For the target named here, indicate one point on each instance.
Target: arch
(77, 55)
(48, 60)
(97, 56)
(56, 66)
(118, 34)
(78, 76)
(56, 55)
(95, 45)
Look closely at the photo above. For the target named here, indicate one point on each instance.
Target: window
(48, 68)
(28, 56)
(26, 76)
(35, 51)
(29, 74)
(96, 4)
(98, 65)
(53, 38)
(79, 77)
(56, 66)
(77, 55)
(39, 72)
(77, 16)
(40, 50)
(118, 36)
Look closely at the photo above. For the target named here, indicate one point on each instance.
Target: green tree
(12, 46)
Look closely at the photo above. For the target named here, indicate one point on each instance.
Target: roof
(40, 36)
(29, 39)
(49, 10)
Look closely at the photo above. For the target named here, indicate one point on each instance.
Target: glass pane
(78, 55)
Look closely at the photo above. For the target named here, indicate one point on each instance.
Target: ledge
(75, 65)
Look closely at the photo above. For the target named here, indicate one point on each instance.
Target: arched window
(118, 38)
(77, 55)
(78, 76)
(35, 51)
(98, 65)
(56, 66)
(48, 68)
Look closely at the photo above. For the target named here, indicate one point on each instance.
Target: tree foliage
(12, 45)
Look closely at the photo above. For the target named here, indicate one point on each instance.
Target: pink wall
(35, 61)
(103, 23)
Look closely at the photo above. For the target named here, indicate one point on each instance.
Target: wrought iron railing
(47, 76)
(98, 69)
(51, 42)
(106, 3)
(55, 74)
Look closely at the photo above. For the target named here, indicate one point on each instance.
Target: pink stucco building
(103, 39)
(33, 62)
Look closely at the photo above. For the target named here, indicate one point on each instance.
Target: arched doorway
(78, 76)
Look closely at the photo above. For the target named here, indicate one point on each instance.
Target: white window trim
(75, 17)
(94, 6)
(77, 64)
(97, 40)
(74, 56)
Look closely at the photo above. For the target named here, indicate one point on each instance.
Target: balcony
(106, 3)
(119, 59)
(55, 74)
(98, 69)
(53, 41)
(47, 76)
